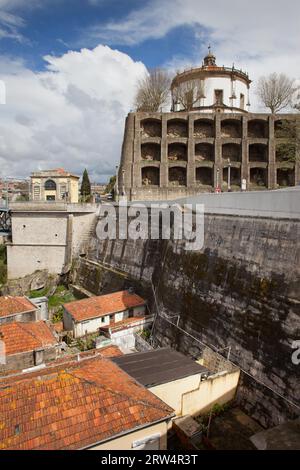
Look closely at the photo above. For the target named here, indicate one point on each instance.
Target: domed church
(211, 88)
(208, 142)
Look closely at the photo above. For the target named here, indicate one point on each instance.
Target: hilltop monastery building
(209, 133)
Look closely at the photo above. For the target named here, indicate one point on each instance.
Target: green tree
(85, 190)
(110, 187)
(288, 135)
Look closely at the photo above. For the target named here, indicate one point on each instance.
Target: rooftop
(125, 324)
(22, 337)
(55, 173)
(102, 305)
(160, 366)
(14, 305)
(74, 406)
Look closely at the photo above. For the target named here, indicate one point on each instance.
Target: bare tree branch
(188, 93)
(276, 92)
(153, 91)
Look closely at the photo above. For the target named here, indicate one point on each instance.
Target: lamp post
(229, 171)
(117, 184)
(218, 190)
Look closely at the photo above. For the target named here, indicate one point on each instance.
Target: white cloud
(70, 115)
(258, 36)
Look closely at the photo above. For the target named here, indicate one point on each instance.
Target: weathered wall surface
(27, 359)
(47, 236)
(241, 290)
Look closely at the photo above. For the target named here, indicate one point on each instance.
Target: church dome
(210, 87)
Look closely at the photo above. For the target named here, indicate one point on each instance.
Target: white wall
(24, 260)
(191, 396)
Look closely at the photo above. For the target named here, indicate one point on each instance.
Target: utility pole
(6, 198)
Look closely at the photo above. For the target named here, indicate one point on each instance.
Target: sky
(70, 68)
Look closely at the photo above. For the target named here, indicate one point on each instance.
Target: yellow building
(54, 185)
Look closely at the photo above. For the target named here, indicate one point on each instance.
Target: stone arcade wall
(172, 155)
(241, 290)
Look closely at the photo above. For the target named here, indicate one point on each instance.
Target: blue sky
(70, 67)
(59, 25)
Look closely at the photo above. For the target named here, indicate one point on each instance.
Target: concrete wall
(280, 204)
(27, 359)
(220, 388)
(192, 396)
(47, 236)
(126, 442)
(21, 317)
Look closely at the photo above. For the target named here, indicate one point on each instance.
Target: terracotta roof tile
(21, 337)
(95, 307)
(12, 305)
(75, 416)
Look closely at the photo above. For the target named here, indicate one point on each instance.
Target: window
(50, 198)
(102, 319)
(36, 192)
(50, 185)
(219, 97)
(38, 357)
(242, 101)
(63, 191)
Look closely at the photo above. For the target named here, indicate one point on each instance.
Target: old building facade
(54, 185)
(215, 143)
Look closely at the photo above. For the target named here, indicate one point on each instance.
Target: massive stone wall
(178, 154)
(242, 291)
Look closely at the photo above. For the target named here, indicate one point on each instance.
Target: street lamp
(229, 171)
(117, 184)
(217, 190)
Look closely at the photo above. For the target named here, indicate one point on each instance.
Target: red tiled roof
(102, 305)
(74, 406)
(21, 337)
(58, 326)
(110, 351)
(123, 324)
(13, 305)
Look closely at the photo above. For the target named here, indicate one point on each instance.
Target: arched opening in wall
(258, 153)
(177, 152)
(285, 128)
(204, 128)
(150, 151)
(233, 152)
(151, 128)
(258, 129)
(285, 177)
(203, 152)
(177, 176)
(50, 185)
(205, 176)
(258, 178)
(231, 128)
(150, 176)
(235, 178)
(286, 151)
(177, 128)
